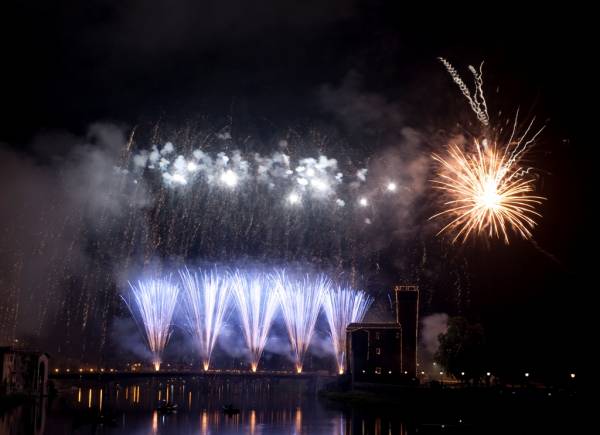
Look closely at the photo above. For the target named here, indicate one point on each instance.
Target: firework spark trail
(206, 299)
(153, 304)
(300, 302)
(477, 100)
(483, 195)
(343, 306)
(257, 303)
(515, 149)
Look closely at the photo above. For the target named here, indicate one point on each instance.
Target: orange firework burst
(487, 193)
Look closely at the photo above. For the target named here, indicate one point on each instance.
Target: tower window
(377, 336)
(377, 370)
(378, 350)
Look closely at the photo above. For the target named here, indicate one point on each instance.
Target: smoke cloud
(431, 328)
(55, 201)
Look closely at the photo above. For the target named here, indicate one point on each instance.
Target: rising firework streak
(343, 306)
(257, 302)
(206, 299)
(300, 304)
(152, 303)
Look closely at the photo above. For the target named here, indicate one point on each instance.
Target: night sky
(364, 69)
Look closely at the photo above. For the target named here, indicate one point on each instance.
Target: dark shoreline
(478, 406)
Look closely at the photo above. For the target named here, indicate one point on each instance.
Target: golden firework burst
(487, 193)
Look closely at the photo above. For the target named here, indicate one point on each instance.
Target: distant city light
(363, 202)
(572, 375)
(526, 375)
(488, 374)
(391, 187)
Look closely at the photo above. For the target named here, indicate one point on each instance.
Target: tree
(462, 349)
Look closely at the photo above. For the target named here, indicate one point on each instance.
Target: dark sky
(68, 64)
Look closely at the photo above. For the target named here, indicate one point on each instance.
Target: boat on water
(166, 407)
(230, 409)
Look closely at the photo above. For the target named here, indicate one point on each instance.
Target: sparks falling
(152, 303)
(343, 306)
(206, 297)
(257, 304)
(301, 302)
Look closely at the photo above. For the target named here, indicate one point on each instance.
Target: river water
(261, 406)
(266, 406)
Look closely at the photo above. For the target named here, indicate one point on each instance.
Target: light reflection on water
(130, 407)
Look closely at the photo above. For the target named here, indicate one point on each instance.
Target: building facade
(386, 352)
(23, 371)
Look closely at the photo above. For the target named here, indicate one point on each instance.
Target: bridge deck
(211, 374)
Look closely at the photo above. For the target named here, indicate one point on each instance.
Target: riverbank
(465, 404)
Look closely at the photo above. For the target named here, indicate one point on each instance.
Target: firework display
(152, 303)
(317, 178)
(207, 295)
(257, 302)
(198, 193)
(300, 304)
(343, 306)
(488, 193)
(205, 300)
(487, 189)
